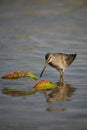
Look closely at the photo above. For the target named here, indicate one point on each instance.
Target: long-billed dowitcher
(59, 61)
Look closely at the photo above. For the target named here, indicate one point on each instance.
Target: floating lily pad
(19, 74)
(44, 85)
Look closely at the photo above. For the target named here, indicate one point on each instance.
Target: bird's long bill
(43, 69)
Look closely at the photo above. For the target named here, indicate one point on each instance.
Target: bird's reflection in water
(62, 93)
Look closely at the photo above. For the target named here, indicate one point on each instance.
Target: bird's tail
(72, 58)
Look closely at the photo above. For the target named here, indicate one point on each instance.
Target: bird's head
(48, 59)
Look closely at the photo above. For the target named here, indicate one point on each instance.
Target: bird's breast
(55, 66)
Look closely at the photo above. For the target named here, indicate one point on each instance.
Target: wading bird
(59, 61)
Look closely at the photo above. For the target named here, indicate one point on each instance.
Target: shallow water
(29, 30)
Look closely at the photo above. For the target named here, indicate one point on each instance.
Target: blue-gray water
(28, 30)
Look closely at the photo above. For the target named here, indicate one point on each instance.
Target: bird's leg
(61, 76)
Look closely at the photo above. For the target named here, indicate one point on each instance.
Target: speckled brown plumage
(59, 61)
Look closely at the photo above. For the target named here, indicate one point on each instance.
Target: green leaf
(19, 74)
(44, 85)
(32, 75)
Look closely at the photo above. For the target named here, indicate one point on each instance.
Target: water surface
(29, 30)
